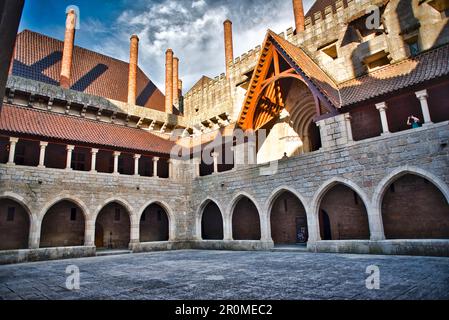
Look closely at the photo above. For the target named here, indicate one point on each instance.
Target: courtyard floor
(193, 275)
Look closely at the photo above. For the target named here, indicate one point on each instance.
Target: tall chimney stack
(67, 55)
(133, 62)
(229, 50)
(298, 10)
(176, 81)
(169, 81)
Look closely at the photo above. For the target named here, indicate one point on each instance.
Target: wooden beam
(10, 14)
(283, 73)
(276, 62)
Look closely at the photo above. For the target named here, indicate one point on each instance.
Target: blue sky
(193, 28)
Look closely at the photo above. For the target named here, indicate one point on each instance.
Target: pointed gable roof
(321, 84)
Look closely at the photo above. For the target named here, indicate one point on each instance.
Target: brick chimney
(169, 81)
(133, 62)
(67, 55)
(176, 81)
(180, 88)
(298, 10)
(229, 51)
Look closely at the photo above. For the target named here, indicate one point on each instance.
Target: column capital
(70, 147)
(137, 156)
(422, 94)
(13, 140)
(348, 116)
(381, 106)
(156, 159)
(117, 153)
(43, 144)
(94, 151)
(215, 154)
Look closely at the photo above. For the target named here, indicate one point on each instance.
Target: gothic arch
(168, 212)
(200, 213)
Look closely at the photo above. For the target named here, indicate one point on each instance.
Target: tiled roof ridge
(71, 116)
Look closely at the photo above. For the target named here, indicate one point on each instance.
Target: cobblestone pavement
(230, 275)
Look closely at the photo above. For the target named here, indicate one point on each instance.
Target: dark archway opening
(212, 223)
(14, 225)
(347, 215)
(63, 226)
(288, 220)
(154, 224)
(414, 208)
(113, 222)
(245, 221)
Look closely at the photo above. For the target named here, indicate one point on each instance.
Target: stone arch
(360, 210)
(255, 218)
(62, 225)
(215, 232)
(65, 197)
(293, 221)
(169, 215)
(15, 230)
(412, 204)
(112, 231)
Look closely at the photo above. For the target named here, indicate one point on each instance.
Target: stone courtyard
(198, 275)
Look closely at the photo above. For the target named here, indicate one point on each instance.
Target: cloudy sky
(192, 28)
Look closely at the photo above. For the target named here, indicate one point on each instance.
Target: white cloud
(194, 30)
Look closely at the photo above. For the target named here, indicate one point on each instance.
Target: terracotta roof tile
(38, 57)
(427, 66)
(16, 120)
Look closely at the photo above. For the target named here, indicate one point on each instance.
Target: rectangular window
(11, 214)
(20, 155)
(73, 214)
(79, 161)
(117, 214)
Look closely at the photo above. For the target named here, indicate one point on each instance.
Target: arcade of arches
(412, 208)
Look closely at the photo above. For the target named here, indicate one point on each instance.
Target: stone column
(35, 233)
(43, 146)
(382, 107)
(422, 96)
(67, 54)
(12, 150)
(69, 149)
(135, 235)
(196, 164)
(155, 161)
(348, 119)
(136, 164)
(116, 155)
(93, 163)
(313, 226)
(227, 228)
(89, 233)
(170, 169)
(215, 155)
